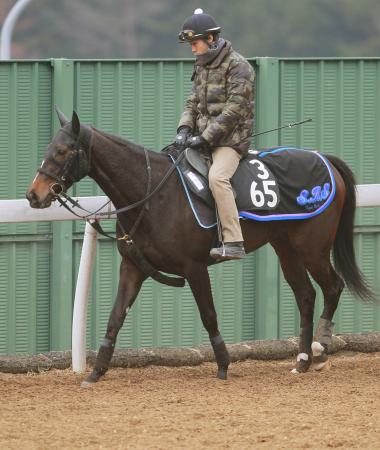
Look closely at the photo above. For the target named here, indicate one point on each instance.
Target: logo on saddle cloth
(317, 195)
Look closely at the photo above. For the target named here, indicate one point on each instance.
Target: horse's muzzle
(35, 202)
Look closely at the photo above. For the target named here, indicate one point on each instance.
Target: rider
(218, 116)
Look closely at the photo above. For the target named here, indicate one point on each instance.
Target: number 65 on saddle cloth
(280, 183)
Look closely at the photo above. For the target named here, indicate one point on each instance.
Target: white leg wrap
(302, 357)
(317, 348)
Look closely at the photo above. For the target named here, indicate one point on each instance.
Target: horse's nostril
(32, 197)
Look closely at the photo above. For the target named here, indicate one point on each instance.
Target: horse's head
(65, 162)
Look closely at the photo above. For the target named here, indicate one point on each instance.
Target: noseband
(74, 168)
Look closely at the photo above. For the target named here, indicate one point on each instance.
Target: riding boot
(230, 250)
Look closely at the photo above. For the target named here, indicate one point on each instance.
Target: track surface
(261, 405)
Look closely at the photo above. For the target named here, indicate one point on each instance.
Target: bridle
(76, 167)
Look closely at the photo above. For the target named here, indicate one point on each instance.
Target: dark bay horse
(171, 240)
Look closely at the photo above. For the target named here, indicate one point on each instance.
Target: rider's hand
(183, 135)
(197, 142)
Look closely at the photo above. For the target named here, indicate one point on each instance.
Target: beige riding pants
(225, 161)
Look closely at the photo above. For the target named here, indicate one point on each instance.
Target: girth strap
(144, 265)
(139, 260)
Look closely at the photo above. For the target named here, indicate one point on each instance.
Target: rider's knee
(216, 178)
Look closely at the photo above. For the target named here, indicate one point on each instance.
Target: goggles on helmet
(188, 35)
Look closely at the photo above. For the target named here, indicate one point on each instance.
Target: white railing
(13, 211)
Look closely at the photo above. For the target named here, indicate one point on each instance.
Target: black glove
(183, 135)
(197, 142)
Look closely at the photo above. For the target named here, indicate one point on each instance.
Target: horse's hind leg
(129, 286)
(298, 279)
(332, 285)
(199, 282)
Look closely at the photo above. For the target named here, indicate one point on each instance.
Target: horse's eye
(61, 151)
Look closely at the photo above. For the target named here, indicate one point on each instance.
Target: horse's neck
(119, 168)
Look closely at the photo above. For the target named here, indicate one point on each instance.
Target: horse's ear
(75, 124)
(62, 118)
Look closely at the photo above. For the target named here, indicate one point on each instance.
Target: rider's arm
(189, 114)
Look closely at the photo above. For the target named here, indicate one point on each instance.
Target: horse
(168, 238)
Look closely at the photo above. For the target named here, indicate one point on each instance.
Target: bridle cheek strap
(82, 169)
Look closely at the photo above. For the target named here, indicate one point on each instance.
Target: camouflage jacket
(221, 104)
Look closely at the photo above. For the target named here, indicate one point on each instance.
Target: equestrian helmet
(198, 26)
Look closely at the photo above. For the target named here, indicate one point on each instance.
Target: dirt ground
(261, 405)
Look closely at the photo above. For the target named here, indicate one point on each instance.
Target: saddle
(278, 183)
(195, 167)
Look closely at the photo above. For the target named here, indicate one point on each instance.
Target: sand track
(261, 405)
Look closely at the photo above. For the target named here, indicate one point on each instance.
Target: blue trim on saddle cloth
(190, 200)
(278, 150)
(253, 216)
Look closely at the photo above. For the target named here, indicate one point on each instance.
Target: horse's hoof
(322, 366)
(92, 378)
(86, 384)
(320, 358)
(222, 374)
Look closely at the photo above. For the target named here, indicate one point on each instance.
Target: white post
(81, 299)
(7, 29)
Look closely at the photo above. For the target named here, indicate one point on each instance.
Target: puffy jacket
(221, 104)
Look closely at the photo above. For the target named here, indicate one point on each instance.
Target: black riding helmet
(198, 26)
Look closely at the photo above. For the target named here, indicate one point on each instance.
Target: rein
(150, 195)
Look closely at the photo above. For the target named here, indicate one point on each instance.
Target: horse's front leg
(199, 282)
(129, 286)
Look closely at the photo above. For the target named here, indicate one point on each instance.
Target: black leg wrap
(102, 362)
(306, 338)
(103, 359)
(221, 355)
(324, 332)
(304, 356)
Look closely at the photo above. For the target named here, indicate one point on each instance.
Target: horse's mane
(121, 141)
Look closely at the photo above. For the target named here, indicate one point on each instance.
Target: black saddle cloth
(280, 183)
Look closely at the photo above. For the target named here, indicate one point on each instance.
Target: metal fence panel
(25, 131)
(142, 100)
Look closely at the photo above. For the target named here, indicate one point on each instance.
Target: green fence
(142, 100)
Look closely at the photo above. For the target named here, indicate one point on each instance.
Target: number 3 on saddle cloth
(279, 183)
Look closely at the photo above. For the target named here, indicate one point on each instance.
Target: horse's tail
(343, 250)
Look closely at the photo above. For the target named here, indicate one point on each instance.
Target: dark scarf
(212, 52)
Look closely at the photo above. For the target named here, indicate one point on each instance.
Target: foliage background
(149, 28)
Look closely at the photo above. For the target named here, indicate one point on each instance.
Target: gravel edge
(188, 356)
